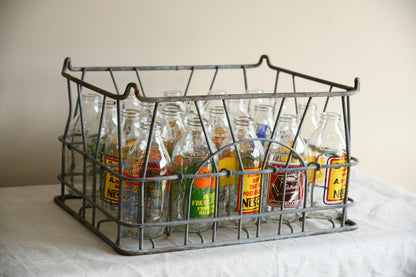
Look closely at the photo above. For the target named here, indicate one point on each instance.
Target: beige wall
(335, 40)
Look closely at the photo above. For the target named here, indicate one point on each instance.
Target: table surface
(38, 238)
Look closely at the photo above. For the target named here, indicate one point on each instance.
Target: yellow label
(318, 175)
(251, 191)
(228, 163)
(111, 183)
(336, 181)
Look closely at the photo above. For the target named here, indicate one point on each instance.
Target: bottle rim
(263, 108)
(130, 113)
(217, 110)
(243, 120)
(193, 121)
(172, 93)
(171, 110)
(311, 106)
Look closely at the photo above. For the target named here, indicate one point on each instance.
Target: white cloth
(38, 238)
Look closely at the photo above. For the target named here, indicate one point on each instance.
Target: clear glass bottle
(310, 122)
(173, 128)
(74, 160)
(252, 155)
(236, 108)
(190, 151)
(218, 128)
(263, 118)
(156, 193)
(108, 125)
(251, 103)
(174, 93)
(213, 103)
(327, 147)
(132, 103)
(110, 183)
(146, 111)
(192, 112)
(293, 181)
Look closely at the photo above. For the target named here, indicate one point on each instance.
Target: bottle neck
(244, 125)
(171, 113)
(263, 110)
(330, 120)
(288, 121)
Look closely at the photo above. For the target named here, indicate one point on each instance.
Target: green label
(202, 193)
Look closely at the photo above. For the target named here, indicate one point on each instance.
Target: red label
(294, 187)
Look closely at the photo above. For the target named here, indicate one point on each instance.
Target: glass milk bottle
(156, 193)
(75, 162)
(252, 154)
(327, 147)
(212, 103)
(263, 118)
(187, 158)
(293, 182)
(218, 128)
(310, 122)
(252, 102)
(110, 183)
(174, 93)
(172, 126)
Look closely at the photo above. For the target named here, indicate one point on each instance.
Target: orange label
(203, 183)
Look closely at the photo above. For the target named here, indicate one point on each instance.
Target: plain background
(374, 40)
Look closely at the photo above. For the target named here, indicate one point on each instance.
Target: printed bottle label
(251, 191)
(262, 130)
(335, 182)
(111, 183)
(317, 174)
(228, 163)
(294, 187)
(202, 194)
(154, 192)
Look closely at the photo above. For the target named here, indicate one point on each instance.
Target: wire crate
(88, 209)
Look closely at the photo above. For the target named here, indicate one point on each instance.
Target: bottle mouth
(217, 92)
(254, 91)
(194, 121)
(332, 115)
(302, 106)
(130, 113)
(244, 120)
(171, 110)
(217, 110)
(263, 108)
(172, 93)
(110, 103)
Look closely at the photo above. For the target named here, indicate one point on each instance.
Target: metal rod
(213, 78)
(140, 81)
(120, 170)
(189, 81)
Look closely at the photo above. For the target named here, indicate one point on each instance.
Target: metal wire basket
(88, 210)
